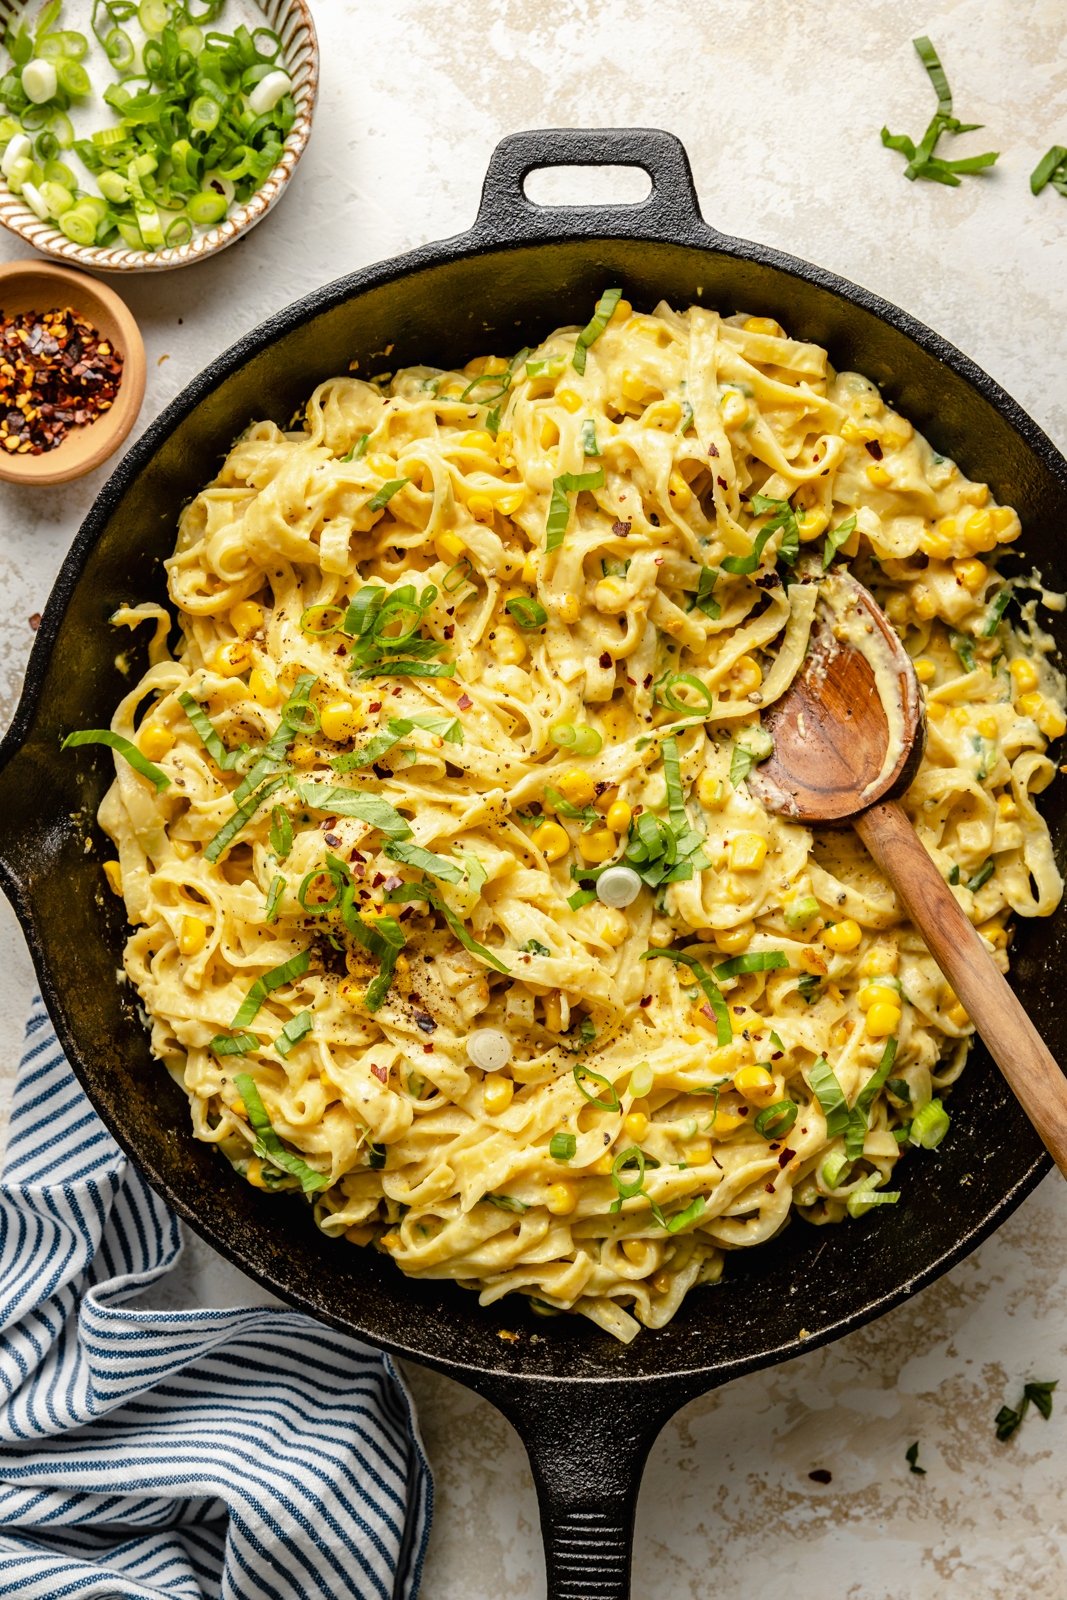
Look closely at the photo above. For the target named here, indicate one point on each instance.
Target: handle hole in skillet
(587, 186)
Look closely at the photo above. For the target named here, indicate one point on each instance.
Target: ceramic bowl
(291, 21)
(38, 286)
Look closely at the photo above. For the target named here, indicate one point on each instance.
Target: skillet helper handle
(587, 1446)
(1010, 1036)
(507, 214)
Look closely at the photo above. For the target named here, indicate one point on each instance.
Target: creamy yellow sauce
(600, 565)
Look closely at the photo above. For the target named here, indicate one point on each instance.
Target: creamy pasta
(451, 905)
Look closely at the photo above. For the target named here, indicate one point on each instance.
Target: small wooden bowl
(37, 286)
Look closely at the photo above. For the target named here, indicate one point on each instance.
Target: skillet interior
(442, 305)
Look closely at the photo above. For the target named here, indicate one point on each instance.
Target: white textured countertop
(779, 103)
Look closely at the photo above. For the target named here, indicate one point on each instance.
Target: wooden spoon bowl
(38, 286)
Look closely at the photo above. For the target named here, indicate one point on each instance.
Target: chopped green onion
(559, 510)
(723, 1029)
(757, 961)
(1051, 168)
(997, 608)
(336, 875)
(457, 575)
(276, 978)
(209, 738)
(321, 620)
(866, 1195)
(233, 1044)
(642, 1079)
(703, 599)
(268, 1146)
(982, 876)
(529, 614)
(562, 1146)
(782, 518)
(668, 692)
(682, 1219)
(774, 1121)
(122, 747)
(856, 1131)
(428, 892)
(964, 648)
(580, 740)
(580, 898)
(831, 1097)
(929, 1125)
(295, 1030)
(800, 912)
(834, 1169)
(748, 753)
(584, 1076)
(589, 444)
(836, 537)
(281, 832)
(605, 309)
(631, 1159)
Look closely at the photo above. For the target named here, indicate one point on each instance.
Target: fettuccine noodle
(457, 643)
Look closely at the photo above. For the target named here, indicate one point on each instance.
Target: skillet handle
(507, 215)
(587, 1444)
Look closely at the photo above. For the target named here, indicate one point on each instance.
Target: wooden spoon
(849, 734)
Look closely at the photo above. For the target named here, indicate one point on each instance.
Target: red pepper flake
(35, 621)
(621, 529)
(873, 448)
(375, 705)
(381, 1073)
(464, 702)
(713, 449)
(645, 1000)
(449, 631)
(55, 372)
(605, 658)
(786, 1157)
(723, 485)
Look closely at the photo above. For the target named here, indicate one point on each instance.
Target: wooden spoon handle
(1010, 1036)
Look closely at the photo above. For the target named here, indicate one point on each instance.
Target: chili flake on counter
(56, 373)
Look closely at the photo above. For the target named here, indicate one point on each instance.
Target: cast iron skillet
(587, 1408)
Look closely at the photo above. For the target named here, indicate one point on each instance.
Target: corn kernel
(553, 1013)
(748, 851)
(978, 533)
(636, 1251)
(254, 1173)
(971, 573)
(734, 940)
(561, 1199)
(602, 1165)
(618, 817)
(1003, 519)
(811, 524)
(551, 840)
(230, 660)
(497, 1092)
(882, 1019)
(510, 502)
(709, 789)
(755, 1083)
(569, 400)
(481, 507)
(844, 935)
(449, 546)
(668, 414)
(1051, 721)
(478, 439)
(726, 1122)
(238, 1107)
(857, 432)
(508, 646)
(383, 465)
(948, 528)
(897, 434)
(1023, 674)
(976, 494)
(761, 325)
(113, 874)
(747, 674)
(936, 544)
(633, 385)
(925, 669)
(597, 846)
(570, 608)
(529, 570)
(246, 617)
(808, 959)
(351, 993)
(1030, 704)
(897, 609)
(154, 740)
(339, 720)
(987, 727)
(635, 1124)
(623, 311)
(875, 993)
(957, 1015)
(607, 798)
(880, 961)
(614, 928)
(995, 933)
(359, 1233)
(263, 687)
(549, 434)
(193, 936)
(679, 491)
(1006, 807)
(577, 786)
(698, 1152)
(937, 711)
(923, 603)
(734, 409)
(878, 475)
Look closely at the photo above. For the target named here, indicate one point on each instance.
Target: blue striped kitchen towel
(247, 1454)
